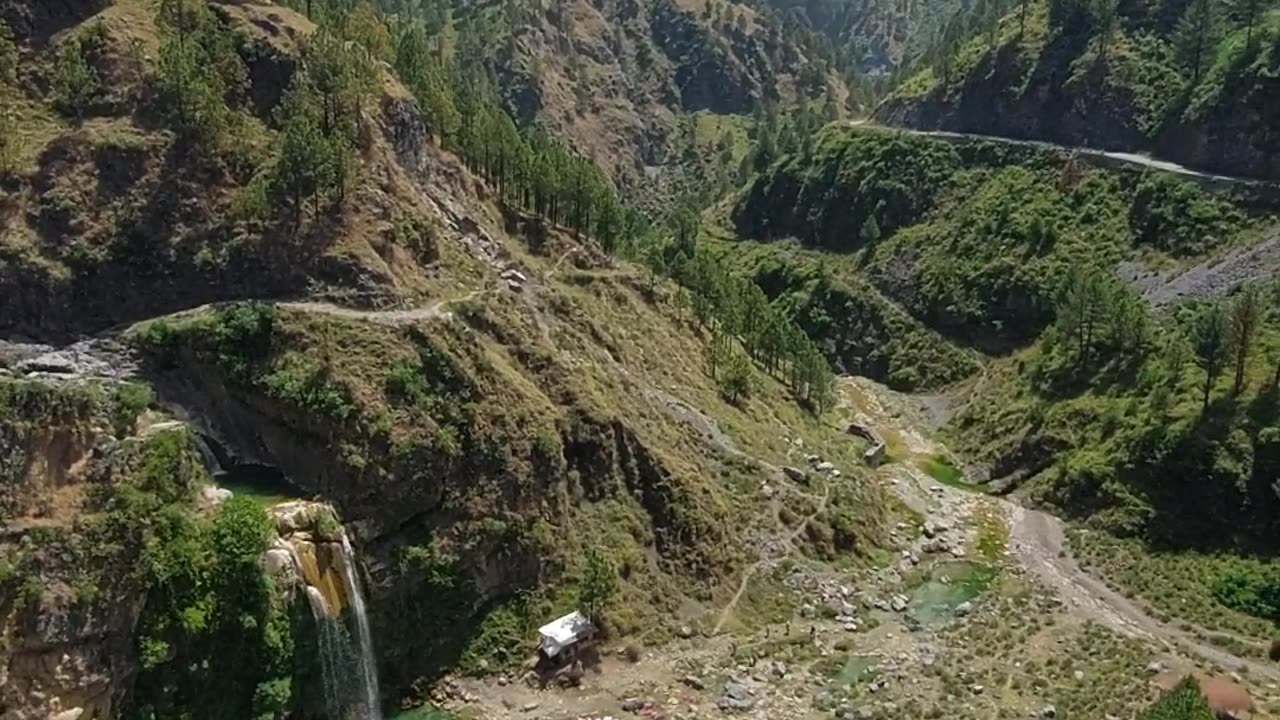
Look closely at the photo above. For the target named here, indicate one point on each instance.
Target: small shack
(565, 633)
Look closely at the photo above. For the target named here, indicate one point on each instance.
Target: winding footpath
(402, 316)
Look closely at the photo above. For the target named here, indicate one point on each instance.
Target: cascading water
(368, 666)
(344, 643)
(332, 644)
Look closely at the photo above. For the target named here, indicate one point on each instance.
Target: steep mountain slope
(875, 36)
(1183, 79)
(106, 196)
(614, 78)
(496, 405)
(973, 238)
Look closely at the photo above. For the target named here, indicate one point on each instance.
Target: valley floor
(982, 613)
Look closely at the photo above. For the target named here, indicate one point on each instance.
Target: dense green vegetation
(1161, 75)
(1162, 430)
(972, 239)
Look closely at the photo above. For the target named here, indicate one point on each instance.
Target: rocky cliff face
(69, 602)
(613, 78)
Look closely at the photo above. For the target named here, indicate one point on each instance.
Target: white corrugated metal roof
(562, 632)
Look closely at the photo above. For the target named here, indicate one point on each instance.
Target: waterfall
(207, 457)
(332, 645)
(368, 666)
(327, 572)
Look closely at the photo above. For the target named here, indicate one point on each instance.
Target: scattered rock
(735, 698)
(795, 473)
(1078, 675)
(529, 707)
(685, 632)
(633, 704)
(937, 490)
(812, 459)
(964, 608)
(778, 669)
(934, 527)
(1048, 711)
(976, 689)
(1155, 667)
(898, 603)
(825, 467)
(212, 496)
(693, 682)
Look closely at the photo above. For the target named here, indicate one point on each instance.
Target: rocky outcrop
(68, 620)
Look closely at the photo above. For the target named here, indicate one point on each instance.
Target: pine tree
(1196, 35)
(1080, 310)
(1246, 313)
(870, 230)
(181, 17)
(303, 164)
(74, 83)
(1209, 338)
(1103, 14)
(1246, 14)
(8, 56)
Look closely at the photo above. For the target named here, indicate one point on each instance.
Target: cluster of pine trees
(1193, 28)
(1101, 319)
(776, 135)
(737, 312)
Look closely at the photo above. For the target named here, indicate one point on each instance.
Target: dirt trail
(1038, 542)
(788, 541)
(404, 316)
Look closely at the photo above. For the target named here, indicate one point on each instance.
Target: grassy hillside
(1193, 80)
(140, 179)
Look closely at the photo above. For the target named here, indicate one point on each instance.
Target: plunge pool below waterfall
(265, 484)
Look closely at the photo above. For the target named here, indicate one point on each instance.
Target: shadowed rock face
(38, 19)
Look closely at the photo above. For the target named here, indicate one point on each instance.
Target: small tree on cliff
(598, 585)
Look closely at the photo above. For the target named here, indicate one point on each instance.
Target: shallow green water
(265, 486)
(935, 601)
(855, 669)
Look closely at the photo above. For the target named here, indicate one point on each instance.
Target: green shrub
(1184, 702)
(75, 83)
(128, 401)
(1251, 589)
(1178, 217)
